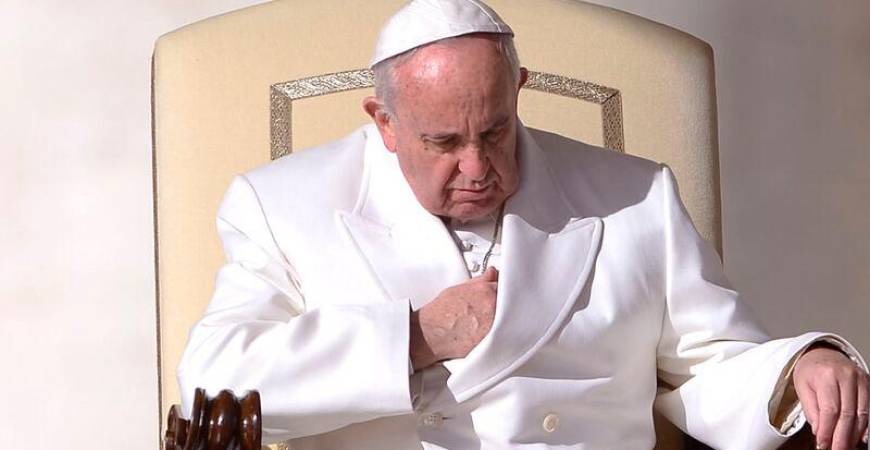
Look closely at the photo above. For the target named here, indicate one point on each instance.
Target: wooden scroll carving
(227, 422)
(224, 422)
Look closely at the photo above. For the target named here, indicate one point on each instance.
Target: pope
(460, 281)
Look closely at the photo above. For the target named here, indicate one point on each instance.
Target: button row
(550, 424)
(474, 267)
(431, 420)
(467, 246)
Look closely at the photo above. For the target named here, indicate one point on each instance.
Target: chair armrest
(225, 422)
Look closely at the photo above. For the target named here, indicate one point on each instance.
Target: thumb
(489, 275)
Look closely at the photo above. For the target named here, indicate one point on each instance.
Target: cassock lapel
(407, 250)
(548, 253)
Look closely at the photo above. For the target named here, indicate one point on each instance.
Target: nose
(474, 163)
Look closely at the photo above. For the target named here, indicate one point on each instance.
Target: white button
(432, 420)
(475, 266)
(551, 422)
(467, 246)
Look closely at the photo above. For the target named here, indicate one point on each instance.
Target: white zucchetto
(422, 22)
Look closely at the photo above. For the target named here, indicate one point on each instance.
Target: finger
(828, 398)
(844, 431)
(863, 407)
(489, 275)
(807, 397)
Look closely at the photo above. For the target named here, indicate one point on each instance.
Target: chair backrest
(227, 96)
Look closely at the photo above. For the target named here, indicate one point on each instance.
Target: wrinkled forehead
(444, 86)
(470, 56)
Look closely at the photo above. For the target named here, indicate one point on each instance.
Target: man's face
(454, 128)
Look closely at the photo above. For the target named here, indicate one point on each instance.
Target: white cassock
(604, 286)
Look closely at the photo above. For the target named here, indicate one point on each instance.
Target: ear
(524, 76)
(385, 122)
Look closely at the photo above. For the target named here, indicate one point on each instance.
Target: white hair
(384, 71)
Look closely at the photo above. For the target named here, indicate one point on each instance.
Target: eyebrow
(438, 136)
(498, 123)
(449, 135)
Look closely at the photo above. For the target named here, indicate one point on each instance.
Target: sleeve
(317, 370)
(727, 377)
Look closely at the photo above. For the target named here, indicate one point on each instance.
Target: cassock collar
(386, 197)
(547, 256)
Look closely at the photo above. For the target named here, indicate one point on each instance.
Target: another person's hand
(835, 395)
(453, 323)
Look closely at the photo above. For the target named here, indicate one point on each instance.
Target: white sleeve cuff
(795, 419)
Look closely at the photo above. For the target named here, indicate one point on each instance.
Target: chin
(472, 210)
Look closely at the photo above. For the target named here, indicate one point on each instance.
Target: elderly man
(448, 279)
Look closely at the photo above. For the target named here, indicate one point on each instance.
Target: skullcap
(422, 22)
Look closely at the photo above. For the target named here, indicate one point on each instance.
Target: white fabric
(422, 22)
(604, 285)
(474, 240)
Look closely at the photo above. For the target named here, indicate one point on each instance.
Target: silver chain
(495, 236)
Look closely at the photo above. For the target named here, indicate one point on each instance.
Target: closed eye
(494, 135)
(496, 131)
(443, 142)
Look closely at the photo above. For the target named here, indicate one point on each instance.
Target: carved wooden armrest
(227, 422)
(224, 422)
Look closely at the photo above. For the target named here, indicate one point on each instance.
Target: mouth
(473, 195)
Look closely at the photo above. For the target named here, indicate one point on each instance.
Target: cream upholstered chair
(235, 90)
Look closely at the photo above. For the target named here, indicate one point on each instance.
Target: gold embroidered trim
(609, 99)
(611, 122)
(569, 87)
(280, 125)
(283, 95)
